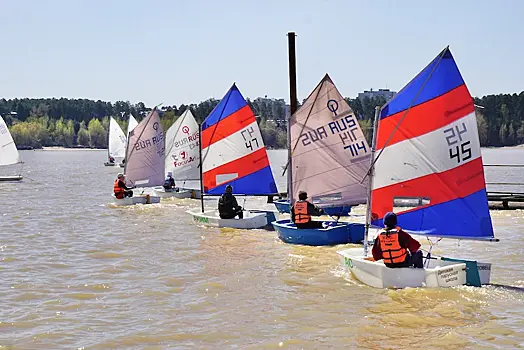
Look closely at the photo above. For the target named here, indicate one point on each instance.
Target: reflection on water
(78, 273)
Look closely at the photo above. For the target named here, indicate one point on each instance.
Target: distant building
(385, 93)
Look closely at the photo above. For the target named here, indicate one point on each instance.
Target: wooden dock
(503, 198)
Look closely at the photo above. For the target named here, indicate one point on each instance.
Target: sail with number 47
(233, 152)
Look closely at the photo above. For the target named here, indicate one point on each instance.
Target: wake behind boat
(428, 150)
(145, 159)
(329, 156)
(233, 154)
(9, 155)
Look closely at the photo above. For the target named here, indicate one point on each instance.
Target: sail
(428, 152)
(131, 124)
(117, 140)
(145, 153)
(329, 153)
(182, 151)
(233, 152)
(8, 153)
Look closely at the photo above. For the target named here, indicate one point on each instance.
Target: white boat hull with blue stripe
(439, 273)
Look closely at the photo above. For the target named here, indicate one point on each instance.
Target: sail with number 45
(233, 152)
(329, 153)
(428, 152)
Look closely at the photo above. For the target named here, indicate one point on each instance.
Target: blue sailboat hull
(282, 206)
(339, 233)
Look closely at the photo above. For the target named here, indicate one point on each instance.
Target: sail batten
(329, 153)
(429, 151)
(233, 152)
(145, 153)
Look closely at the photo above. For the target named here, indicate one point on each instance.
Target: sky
(179, 51)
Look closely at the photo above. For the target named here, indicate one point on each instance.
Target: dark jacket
(405, 241)
(122, 184)
(311, 210)
(169, 182)
(227, 204)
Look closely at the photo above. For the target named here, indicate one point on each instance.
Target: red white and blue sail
(233, 152)
(428, 151)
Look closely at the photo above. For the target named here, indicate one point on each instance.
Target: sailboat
(182, 158)
(328, 157)
(233, 153)
(117, 143)
(145, 159)
(428, 153)
(9, 155)
(131, 125)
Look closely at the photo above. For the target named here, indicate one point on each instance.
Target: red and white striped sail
(233, 152)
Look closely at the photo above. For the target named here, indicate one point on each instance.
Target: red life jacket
(119, 191)
(301, 214)
(392, 252)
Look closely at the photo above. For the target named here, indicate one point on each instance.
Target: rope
(428, 256)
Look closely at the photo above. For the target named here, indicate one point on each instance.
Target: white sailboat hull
(252, 219)
(180, 193)
(11, 178)
(146, 199)
(439, 274)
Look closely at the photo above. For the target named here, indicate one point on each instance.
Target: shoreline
(59, 148)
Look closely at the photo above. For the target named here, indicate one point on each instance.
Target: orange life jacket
(392, 252)
(119, 191)
(301, 214)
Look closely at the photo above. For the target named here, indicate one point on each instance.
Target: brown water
(77, 273)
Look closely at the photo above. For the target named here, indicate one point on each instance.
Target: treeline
(80, 122)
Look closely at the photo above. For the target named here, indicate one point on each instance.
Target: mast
(293, 108)
(109, 141)
(370, 175)
(200, 165)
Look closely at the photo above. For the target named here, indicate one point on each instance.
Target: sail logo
(182, 159)
(3, 129)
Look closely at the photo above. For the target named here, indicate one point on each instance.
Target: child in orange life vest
(396, 247)
(120, 189)
(302, 211)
